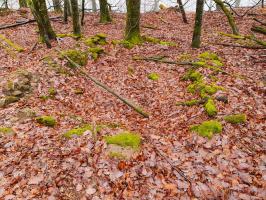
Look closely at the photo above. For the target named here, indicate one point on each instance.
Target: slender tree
(104, 12)
(23, 3)
(83, 12)
(57, 5)
(39, 11)
(229, 16)
(182, 10)
(66, 5)
(75, 17)
(198, 23)
(132, 32)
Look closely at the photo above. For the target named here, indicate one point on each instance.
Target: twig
(33, 47)
(105, 87)
(261, 22)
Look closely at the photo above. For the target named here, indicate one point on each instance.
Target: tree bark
(132, 32)
(23, 4)
(229, 16)
(66, 4)
(57, 5)
(82, 12)
(104, 12)
(39, 11)
(182, 10)
(75, 17)
(198, 24)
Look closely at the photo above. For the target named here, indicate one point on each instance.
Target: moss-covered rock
(78, 131)
(208, 128)
(153, 76)
(192, 75)
(209, 56)
(79, 57)
(46, 121)
(6, 130)
(210, 108)
(124, 139)
(236, 119)
(98, 39)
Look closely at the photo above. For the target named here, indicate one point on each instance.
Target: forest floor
(36, 162)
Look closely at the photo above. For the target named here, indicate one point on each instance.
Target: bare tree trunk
(132, 33)
(104, 12)
(83, 12)
(229, 16)
(75, 17)
(94, 5)
(66, 4)
(39, 11)
(198, 24)
(182, 10)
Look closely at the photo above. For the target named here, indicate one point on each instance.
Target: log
(105, 87)
(259, 29)
(11, 44)
(161, 60)
(22, 23)
(239, 46)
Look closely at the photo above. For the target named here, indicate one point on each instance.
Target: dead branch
(259, 21)
(24, 22)
(105, 87)
(239, 46)
(259, 29)
(161, 59)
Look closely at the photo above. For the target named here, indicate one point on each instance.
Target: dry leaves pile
(37, 163)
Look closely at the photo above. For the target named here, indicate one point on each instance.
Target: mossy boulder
(208, 128)
(210, 108)
(124, 139)
(78, 56)
(192, 75)
(236, 119)
(78, 131)
(98, 39)
(46, 121)
(6, 130)
(153, 76)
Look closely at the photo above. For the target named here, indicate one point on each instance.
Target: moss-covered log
(104, 12)
(11, 44)
(229, 16)
(132, 32)
(75, 17)
(198, 23)
(259, 29)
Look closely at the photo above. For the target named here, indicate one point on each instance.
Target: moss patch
(153, 76)
(117, 155)
(208, 128)
(79, 57)
(78, 131)
(125, 139)
(6, 130)
(158, 41)
(98, 39)
(210, 108)
(46, 121)
(236, 119)
(95, 52)
(52, 91)
(209, 56)
(11, 44)
(192, 75)
(63, 35)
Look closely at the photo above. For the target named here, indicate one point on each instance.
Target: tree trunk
(39, 11)
(75, 17)
(132, 33)
(228, 15)
(57, 5)
(198, 24)
(104, 12)
(23, 3)
(94, 5)
(66, 4)
(182, 10)
(83, 12)
(5, 4)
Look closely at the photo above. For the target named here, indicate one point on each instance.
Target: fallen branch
(25, 22)
(11, 44)
(161, 59)
(261, 22)
(239, 46)
(150, 27)
(82, 72)
(259, 29)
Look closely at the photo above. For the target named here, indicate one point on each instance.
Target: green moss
(79, 57)
(44, 97)
(6, 130)
(184, 57)
(95, 52)
(158, 41)
(210, 107)
(46, 121)
(236, 119)
(127, 44)
(153, 76)
(98, 39)
(11, 44)
(208, 128)
(232, 35)
(217, 63)
(125, 139)
(192, 75)
(52, 91)
(78, 131)
(188, 103)
(117, 155)
(199, 64)
(203, 88)
(63, 35)
(209, 56)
